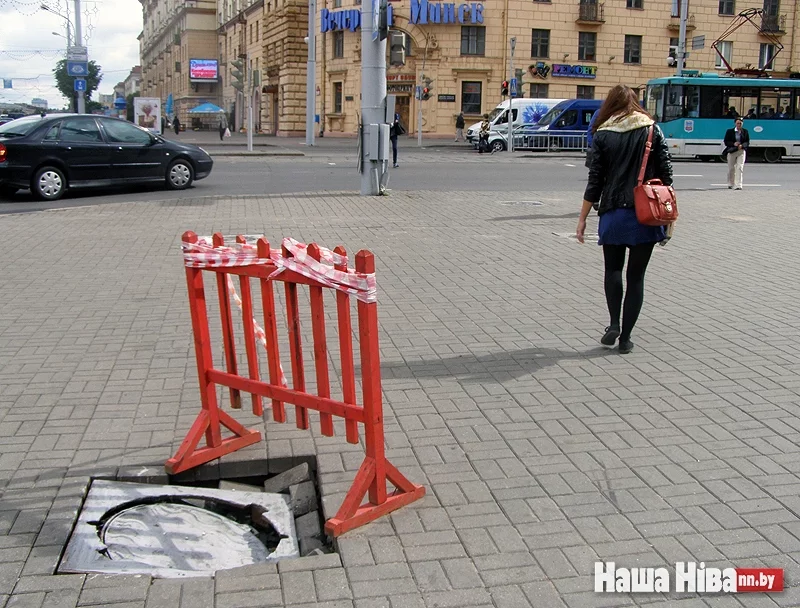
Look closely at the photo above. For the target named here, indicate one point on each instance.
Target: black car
(53, 153)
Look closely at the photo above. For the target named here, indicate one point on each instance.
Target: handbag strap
(647, 147)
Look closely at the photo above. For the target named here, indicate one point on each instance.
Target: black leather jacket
(615, 162)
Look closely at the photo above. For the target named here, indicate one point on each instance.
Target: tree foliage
(66, 83)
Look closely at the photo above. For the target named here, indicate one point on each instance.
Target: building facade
(176, 32)
(564, 49)
(133, 83)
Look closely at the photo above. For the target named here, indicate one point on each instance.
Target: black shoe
(625, 346)
(611, 335)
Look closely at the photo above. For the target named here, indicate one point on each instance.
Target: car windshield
(20, 126)
(495, 113)
(551, 115)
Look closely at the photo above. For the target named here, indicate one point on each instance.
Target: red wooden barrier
(293, 265)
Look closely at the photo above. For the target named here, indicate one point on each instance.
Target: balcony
(590, 14)
(773, 24)
(675, 23)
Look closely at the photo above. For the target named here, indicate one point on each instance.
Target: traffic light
(504, 88)
(397, 48)
(426, 89)
(238, 74)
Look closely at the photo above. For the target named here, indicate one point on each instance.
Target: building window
(673, 50)
(337, 3)
(725, 47)
(473, 40)
(587, 43)
(634, 4)
(584, 92)
(727, 7)
(258, 24)
(539, 91)
(540, 43)
(633, 49)
(338, 44)
(471, 97)
(676, 8)
(337, 97)
(766, 56)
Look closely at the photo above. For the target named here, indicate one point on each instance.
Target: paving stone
(303, 497)
(282, 481)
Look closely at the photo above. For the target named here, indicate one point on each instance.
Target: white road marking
(754, 185)
(566, 165)
(687, 175)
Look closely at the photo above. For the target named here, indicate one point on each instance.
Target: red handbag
(655, 203)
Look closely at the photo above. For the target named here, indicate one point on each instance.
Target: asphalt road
(444, 169)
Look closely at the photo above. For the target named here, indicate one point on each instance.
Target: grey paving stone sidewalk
(542, 451)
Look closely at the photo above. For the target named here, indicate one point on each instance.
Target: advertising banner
(203, 70)
(147, 113)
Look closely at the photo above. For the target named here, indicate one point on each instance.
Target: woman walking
(620, 133)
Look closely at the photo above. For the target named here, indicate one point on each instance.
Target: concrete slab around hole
(169, 540)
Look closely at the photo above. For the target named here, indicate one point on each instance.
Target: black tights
(614, 256)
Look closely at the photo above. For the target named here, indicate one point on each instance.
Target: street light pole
(511, 96)
(682, 37)
(78, 43)
(311, 76)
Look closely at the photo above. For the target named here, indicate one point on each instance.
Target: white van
(525, 111)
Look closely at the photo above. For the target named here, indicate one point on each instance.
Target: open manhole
(174, 531)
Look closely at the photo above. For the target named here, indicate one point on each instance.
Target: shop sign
(423, 11)
(575, 71)
(447, 98)
(399, 87)
(350, 19)
(395, 77)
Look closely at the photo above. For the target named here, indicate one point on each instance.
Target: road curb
(225, 153)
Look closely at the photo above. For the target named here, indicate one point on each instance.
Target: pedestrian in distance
(395, 131)
(176, 124)
(223, 125)
(621, 131)
(483, 135)
(737, 140)
(460, 126)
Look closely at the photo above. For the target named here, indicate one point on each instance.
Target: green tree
(66, 83)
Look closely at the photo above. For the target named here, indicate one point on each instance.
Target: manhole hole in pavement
(178, 531)
(522, 203)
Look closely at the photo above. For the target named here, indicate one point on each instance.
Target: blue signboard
(513, 87)
(422, 11)
(80, 84)
(77, 68)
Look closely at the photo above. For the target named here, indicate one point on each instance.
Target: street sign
(77, 53)
(77, 68)
(513, 87)
(698, 43)
(80, 84)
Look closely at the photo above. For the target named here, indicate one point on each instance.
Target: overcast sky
(112, 43)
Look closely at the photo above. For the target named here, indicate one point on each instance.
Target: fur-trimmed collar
(623, 124)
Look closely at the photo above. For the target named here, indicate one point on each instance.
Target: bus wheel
(772, 155)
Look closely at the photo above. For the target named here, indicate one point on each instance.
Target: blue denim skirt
(620, 227)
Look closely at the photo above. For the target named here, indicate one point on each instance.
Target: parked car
(50, 154)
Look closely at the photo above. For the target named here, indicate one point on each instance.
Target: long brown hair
(621, 101)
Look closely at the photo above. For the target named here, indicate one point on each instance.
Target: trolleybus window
(775, 103)
(744, 100)
(682, 102)
(655, 101)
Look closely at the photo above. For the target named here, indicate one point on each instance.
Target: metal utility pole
(511, 85)
(79, 43)
(373, 95)
(311, 76)
(419, 101)
(250, 95)
(682, 37)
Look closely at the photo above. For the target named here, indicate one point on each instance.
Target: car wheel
(8, 191)
(49, 184)
(498, 145)
(772, 155)
(179, 175)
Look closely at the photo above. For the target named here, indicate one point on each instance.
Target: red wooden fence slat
(295, 347)
(228, 343)
(271, 332)
(371, 383)
(250, 335)
(346, 349)
(320, 346)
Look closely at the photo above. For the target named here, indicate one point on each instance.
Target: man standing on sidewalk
(737, 140)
